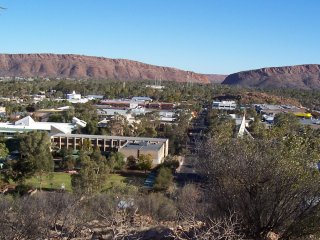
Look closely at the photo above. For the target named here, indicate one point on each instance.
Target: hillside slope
(216, 78)
(300, 76)
(85, 67)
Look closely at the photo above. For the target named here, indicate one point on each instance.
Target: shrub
(157, 206)
(164, 179)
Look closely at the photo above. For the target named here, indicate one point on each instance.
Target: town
(159, 120)
(147, 142)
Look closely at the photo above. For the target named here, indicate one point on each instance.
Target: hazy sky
(207, 36)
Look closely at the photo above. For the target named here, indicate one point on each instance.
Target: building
(134, 103)
(167, 116)
(129, 146)
(76, 98)
(73, 96)
(95, 97)
(224, 105)
(27, 124)
(156, 150)
(158, 87)
(272, 110)
(141, 99)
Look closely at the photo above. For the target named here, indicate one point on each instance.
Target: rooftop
(28, 124)
(145, 139)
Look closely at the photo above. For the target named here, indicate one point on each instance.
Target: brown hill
(85, 67)
(216, 78)
(300, 76)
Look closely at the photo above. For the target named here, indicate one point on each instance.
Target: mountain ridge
(89, 67)
(304, 76)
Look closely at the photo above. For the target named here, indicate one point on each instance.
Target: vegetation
(164, 179)
(92, 174)
(35, 158)
(144, 162)
(116, 161)
(270, 183)
(249, 189)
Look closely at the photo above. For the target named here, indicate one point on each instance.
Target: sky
(205, 36)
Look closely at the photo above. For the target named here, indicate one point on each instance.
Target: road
(186, 173)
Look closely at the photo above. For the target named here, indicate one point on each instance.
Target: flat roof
(143, 147)
(146, 139)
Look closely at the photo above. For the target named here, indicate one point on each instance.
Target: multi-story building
(129, 146)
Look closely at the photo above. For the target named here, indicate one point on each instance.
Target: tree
(145, 162)
(35, 157)
(3, 151)
(131, 162)
(116, 161)
(171, 162)
(68, 161)
(55, 117)
(164, 179)
(91, 176)
(86, 146)
(270, 183)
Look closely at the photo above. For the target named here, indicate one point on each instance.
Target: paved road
(186, 173)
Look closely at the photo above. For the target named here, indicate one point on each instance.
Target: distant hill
(85, 67)
(216, 78)
(300, 76)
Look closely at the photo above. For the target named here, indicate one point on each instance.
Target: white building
(224, 105)
(141, 99)
(158, 87)
(76, 98)
(27, 124)
(74, 95)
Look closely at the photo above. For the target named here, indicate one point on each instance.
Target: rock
(159, 233)
(272, 236)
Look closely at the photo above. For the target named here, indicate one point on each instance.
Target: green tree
(164, 179)
(145, 162)
(271, 183)
(171, 162)
(35, 157)
(86, 146)
(91, 176)
(69, 161)
(131, 162)
(3, 150)
(116, 161)
(56, 117)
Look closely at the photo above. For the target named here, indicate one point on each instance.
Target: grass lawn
(54, 182)
(59, 178)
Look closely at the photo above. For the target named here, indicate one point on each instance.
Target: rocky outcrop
(300, 76)
(85, 67)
